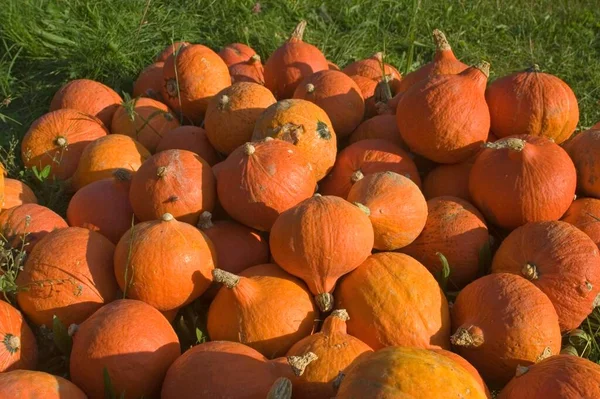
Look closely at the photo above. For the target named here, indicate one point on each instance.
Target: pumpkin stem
(317, 195)
(529, 271)
(534, 68)
(12, 343)
(467, 337)
(383, 92)
(597, 301)
(161, 171)
(510, 143)
(521, 370)
(281, 389)
(299, 363)
(249, 149)
(547, 352)
(268, 138)
(341, 314)
(363, 208)
(122, 174)
(310, 88)
(441, 43)
(72, 330)
(229, 280)
(172, 89)
(484, 67)
(205, 221)
(378, 56)
(356, 176)
(61, 141)
(255, 59)
(324, 301)
(223, 101)
(167, 217)
(298, 32)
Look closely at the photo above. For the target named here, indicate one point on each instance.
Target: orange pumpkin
(292, 62)
(235, 53)
(583, 150)
(456, 230)
(25, 384)
(17, 193)
(2, 173)
(18, 349)
(395, 205)
(584, 213)
(320, 240)
(305, 125)
(175, 181)
(449, 180)
(149, 82)
(170, 49)
(232, 113)
(57, 139)
(364, 158)
(332, 66)
(445, 118)
(190, 138)
(501, 321)
(394, 300)
(264, 308)
(89, 97)
(466, 365)
(248, 71)
(367, 89)
(164, 263)
(136, 361)
(192, 76)
(372, 68)
(522, 179)
(534, 103)
(378, 127)
(68, 275)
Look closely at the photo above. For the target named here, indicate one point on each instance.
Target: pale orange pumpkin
(17, 193)
(18, 348)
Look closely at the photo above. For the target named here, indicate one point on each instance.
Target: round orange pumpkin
(449, 180)
(466, 365)
(248, 71)
(149, 82)
(235, 53)
(170, 49)
(372, 68)
(379, 127)
(17, 193)
(190, 138)
(583, 150)
(367, 89)
(18, 349)
(57, 139)
(584, 213)
(25, 384)
(130, 341)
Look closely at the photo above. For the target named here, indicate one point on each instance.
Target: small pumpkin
(372, 68)
(501, 321)
(17, 193)
(170, 49)
(584, 213)
(149, 82)
(190, 138)
(37, 384)
(320, 240)
(18, 348)
(367, 88)
(235, 53)
(449, 180)
(117, 340)
(248, 71)
(379, 127)
(583, 150)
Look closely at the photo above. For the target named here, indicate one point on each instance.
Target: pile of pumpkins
(326, 214)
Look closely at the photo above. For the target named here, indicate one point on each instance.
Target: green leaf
(200, 337)
(45, 172)
(444, 274)
(109, 389)
(61, 337)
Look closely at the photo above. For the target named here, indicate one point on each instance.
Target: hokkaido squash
(501, 321)
(37, 384)
(68, 275)
(175, 181)
(466, 365)
(264, 307)
(449, 180)
(164, 263)
(584, 213)
(379, 127)
(57, 139)
(2, 173)
(560, 260)
(367, 89)
(18, 348)
(372, 68)
(583, 150)
(149, 82)
(292, 62)
(17, 193)
(394, 300)
(232, 113)
(136, 362)
(190, 138)
(320, 240)
(251, 71)
(170, 49)
(522, 179)
(333, 66)
(235, 53)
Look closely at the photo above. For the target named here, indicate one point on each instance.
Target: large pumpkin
(25, 384)
(378, 127)
(584, 213)
(190, 138)
(17, 193)
(466, 365)
(170, 49)
(18, 349)
(149, 82)
(449, 180)
(320, 240)
(375, 69)
(583, 150)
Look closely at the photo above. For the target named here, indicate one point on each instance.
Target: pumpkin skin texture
(104, 156)
(17, 193)
(58, 139)
(235, 53)
(260, 180)
(165, 263)
(292, 62)
(305, 125)
(396, 206)
(501, 321)
(534, 103)
(103, 206)
(170, 49)
(18, 348)
(584, 213)
(251, 71)
(145, 120)
(560, 260)
(338, 95)
(149, 82)
(364, 158)
(449, 180)
(178, 182)
(367, 89)
(264, 307)
(466, 365)
(457, 230)
(25, 384)
(335, 350)
(379, 127)
(583, 150)
(75, 268)
(145, 338)
(377, 293)
(190, 138)
(558, 377)
(192, 76)
(24, 225)
(371, 68)
(88, 96)
(398, 372)
(445, 118)
(232, 113)
(320, 240)
(522, 179)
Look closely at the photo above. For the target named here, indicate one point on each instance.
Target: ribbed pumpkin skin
(559, 259)
(170, 49)
(466, 365)
(371, 68)
(394, 300)
(445, 118)
(367, 89)
(558, 377)
(133, 341)
(367, 157)
(449, 180)
(88, 96)
(178, 182)
(17, 193)
(190, 138)
(41, 145)
(320, 240)
(75, 265)
(235, 53)
(583, 150)
(232, 113)
(584, 213)
(22, 354)
(532, 102)
(513, 186)
(336, 94)
(511, 323)
(29, 221)
(192, 76)
(164, 263)
(398, 210)
(149, 82)
(305, 125)
(457, 230)
(24, 384)
(398, 372)
(378, 127)
(209, 369)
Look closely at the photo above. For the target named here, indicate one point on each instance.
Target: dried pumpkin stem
(122, 174)
(441, 43)
(363, 208)
(534, 68)
(298, 33)
(356, 176)
(317, 195)
(464, 337)
(521, 370)
(161, 171)
(12, 343)
(378, 56)
(254, 59)
(310, 88)
(229, 280)
(249, 149)
(205, 221)
(281, 389)
(529, 271)
(546, 353)
(324, 301)
(61, 141)
(484, 67)
(341, 314)
(299, 363)
(510, 143)
(223, 101)
(597, 301)
(167, 217)
(268, 138)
